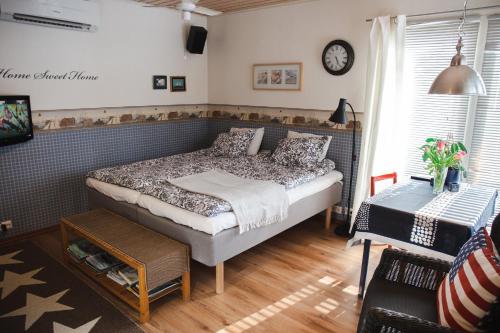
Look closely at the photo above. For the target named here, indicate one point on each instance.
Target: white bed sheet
(209, 225)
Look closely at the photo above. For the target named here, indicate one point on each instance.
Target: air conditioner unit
(81, 15)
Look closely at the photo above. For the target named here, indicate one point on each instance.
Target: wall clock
(338, 57)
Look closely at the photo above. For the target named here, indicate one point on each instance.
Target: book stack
(113, 275)
(123, 275)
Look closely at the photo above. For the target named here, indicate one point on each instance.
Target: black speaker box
(196, 39)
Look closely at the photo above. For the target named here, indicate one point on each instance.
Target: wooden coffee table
(157, 258)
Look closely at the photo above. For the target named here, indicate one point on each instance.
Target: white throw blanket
(255, 203)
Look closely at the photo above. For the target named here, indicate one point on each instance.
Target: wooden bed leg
(328, 219)
(219, 278)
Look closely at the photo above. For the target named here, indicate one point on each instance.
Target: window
(429, 48)
(484, 162)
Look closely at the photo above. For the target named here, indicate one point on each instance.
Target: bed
(141, 192)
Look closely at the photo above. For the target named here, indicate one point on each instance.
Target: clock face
(338, 57)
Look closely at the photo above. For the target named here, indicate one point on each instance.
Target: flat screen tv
(15, 120)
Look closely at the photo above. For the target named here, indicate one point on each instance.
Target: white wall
(298, 33)
(132, 44)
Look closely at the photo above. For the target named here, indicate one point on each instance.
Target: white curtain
(383, 148)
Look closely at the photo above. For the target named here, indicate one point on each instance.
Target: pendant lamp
(459, 79)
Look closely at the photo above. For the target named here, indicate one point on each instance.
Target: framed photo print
(284, 76)
(177, 83)
(159, 82)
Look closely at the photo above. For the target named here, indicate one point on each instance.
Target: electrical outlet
(6, 225)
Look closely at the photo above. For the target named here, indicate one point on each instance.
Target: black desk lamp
(340, 117)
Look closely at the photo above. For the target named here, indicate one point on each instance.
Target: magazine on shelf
(155, 291)
(102, 262)
(124, 275)
(82, 248)
(73, 256)
(113, 275)
(129, 274)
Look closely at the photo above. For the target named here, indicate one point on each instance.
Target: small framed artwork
(159, 82)
(284, 76)
(177, 83)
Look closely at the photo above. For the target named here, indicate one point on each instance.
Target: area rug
(38, 294)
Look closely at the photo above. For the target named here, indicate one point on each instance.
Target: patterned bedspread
(151, 177)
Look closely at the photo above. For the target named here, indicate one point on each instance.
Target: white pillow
(254, 147)
(292, 134)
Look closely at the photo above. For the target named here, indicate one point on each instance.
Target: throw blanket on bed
(255, 203)
(152, 177)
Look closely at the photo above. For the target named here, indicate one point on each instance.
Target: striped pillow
(467, 292)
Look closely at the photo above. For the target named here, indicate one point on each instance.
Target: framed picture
(285, 76)
(159, 82)
(177, 83)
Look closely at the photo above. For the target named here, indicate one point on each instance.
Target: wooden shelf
(120, 291)
(83, 225)
(113, 287)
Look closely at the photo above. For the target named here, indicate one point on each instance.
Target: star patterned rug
(38, 294)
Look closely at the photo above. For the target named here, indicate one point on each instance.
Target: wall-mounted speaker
(196, 39)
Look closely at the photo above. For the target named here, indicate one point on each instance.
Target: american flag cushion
(466, 294)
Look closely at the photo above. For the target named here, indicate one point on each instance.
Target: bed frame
(214, 250)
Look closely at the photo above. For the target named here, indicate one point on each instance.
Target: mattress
(210, 225)
(151, 177)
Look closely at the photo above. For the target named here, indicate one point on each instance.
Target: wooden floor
(303, 280)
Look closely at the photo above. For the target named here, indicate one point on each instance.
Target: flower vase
(439, 180)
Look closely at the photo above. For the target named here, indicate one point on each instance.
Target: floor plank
(303, 280)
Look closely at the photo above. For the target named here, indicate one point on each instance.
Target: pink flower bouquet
(440, 155)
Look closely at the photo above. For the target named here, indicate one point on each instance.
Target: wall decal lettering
(10, 74)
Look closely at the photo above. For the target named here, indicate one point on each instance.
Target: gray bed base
(214, 250)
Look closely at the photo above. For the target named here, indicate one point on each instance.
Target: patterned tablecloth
(409, 216)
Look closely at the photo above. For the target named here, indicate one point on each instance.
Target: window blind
(429, 49)
(484, 161)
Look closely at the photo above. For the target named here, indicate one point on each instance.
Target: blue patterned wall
(44, 179)
(340, 149)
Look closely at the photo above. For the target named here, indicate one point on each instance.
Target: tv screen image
(15, 119)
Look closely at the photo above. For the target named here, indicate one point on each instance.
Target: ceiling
(224, 6)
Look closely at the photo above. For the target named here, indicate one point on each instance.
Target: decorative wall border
(85, 118)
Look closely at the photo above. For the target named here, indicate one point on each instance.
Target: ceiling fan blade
(206, 11)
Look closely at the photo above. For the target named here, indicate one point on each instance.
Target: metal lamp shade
(339, 116)
(458, 80)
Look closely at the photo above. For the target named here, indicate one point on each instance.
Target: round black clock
(338, 57)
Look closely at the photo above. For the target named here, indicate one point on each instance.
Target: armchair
(401, 296)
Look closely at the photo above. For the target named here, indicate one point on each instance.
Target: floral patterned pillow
(232, 144)
(299, 151)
